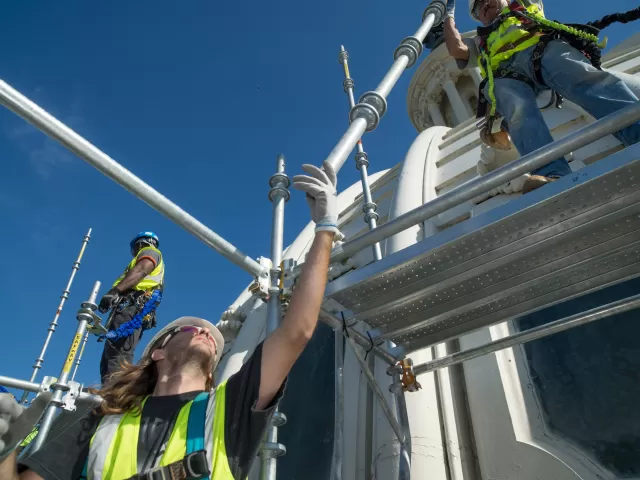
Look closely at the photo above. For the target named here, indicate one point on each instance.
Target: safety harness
(194, 465)
(537, 32)
(147, 303)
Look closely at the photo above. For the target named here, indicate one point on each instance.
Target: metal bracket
(408, 381)
(272, 450)
(260, 286)
(94, 323)
(69, 400)
(47, 381)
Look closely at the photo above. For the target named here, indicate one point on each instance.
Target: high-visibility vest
(113, 452)
(509, 32)
(151, 281)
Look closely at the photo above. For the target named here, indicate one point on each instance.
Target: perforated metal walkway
(578, 234)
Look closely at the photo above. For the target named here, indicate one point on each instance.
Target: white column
(435, 113)
(474, 73)
(461, 109)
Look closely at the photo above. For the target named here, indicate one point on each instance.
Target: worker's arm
(452, 38)
(9, 470)
(283, 347)
(141, 269)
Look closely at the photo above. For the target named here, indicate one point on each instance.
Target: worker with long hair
(163, 417)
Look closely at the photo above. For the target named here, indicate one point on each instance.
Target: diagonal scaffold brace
(39, 118)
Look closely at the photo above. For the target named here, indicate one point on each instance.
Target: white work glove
(16, 421)
(451, 8)
(322, 196)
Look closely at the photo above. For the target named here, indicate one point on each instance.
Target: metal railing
(470, 190)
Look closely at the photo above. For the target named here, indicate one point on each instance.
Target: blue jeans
(568, 72)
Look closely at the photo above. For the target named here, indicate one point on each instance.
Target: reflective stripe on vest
(151, 281)
(113, 454)
(510, 31)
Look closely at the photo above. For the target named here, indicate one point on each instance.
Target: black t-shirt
(65, 451)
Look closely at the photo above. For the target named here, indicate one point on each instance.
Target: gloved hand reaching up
(451, 8)
(16, 421)
(322, 196)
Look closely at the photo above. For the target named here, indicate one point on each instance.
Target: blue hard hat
(142, 235)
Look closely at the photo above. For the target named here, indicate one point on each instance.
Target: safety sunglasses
(187, 328)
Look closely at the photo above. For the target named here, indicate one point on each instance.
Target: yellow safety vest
(113, 452)
(151, 281)
(510, 31)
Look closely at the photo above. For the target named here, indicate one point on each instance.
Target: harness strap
(196, 423)
(483, 103)
(192, 467)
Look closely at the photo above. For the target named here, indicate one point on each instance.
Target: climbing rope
(126, 330)
(626, 17)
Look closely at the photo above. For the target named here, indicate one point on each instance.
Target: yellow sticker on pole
(72, 353)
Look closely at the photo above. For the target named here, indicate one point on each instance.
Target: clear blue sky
(196, 98)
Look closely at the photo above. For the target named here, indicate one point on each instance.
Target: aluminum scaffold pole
(85, 316)
(362, 159)
(54, 323)
(279, 195)
(372, 106)
(36, 116)
(482, 184)
(84, 344)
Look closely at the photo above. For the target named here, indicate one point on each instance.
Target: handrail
(39, 118)
(468, 191)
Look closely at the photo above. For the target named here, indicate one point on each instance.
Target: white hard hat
(183, 321)
(472, 5)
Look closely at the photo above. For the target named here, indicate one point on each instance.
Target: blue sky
(197, 99)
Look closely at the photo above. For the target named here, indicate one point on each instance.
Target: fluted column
(461, 109)
(434, 112)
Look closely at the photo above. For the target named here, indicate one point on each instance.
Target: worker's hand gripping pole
(366, 114)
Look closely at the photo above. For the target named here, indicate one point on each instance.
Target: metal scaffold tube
(535, 333)
(479, 185)
(62, 385)
(366, 114)
(38, 388)
(54, 323)
(362, 159)
(279, 195)
(375, 388)
(36, 116)
(84, 344)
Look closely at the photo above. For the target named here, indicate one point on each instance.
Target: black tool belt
(192, 467)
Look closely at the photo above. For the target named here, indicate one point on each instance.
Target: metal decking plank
(493, 315)
(500, 258)
(384, 278)
(511, 286)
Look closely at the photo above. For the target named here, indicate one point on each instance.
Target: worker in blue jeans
(520, 53)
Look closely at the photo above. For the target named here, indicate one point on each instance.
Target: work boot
(535, 181)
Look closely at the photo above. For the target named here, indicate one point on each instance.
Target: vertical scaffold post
(54, 323)
(279, 195)
(84, 344)
(362, 159)
(366, 114)
(85, 316)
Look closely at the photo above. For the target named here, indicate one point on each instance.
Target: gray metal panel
(577, 234)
